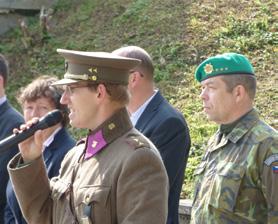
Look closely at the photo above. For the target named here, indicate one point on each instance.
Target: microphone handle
(14, 139)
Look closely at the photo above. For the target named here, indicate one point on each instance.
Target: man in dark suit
(9, 119)
(152, 115)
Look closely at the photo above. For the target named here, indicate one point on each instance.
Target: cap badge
(94, 78)
(93, 70)
(208, 68)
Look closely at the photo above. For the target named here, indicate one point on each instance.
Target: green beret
(95, 67)
(224, 64)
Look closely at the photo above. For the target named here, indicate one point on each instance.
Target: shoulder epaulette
(137, 141)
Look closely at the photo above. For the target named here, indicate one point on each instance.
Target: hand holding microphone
(31, 148)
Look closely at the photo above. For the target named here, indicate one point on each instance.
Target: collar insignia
(94, 144)
(111, 126)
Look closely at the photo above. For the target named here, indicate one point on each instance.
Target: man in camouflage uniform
(237, 179)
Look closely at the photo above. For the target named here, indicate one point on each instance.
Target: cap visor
(65, 82)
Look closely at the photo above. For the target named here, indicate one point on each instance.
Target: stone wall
(26, 4)
(185, 211)
(7, 21)
(10, 11)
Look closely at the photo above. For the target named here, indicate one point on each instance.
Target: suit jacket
(167, 129)
(123, 182)
(53, 156)
(9, 119)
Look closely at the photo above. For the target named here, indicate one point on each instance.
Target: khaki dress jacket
(123, 181)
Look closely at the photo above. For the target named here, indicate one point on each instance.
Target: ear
(135, 78)
(1, 80)
(239, 93)
(101, 91)
(131, 79)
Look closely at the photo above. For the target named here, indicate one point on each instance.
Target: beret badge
(208, 68)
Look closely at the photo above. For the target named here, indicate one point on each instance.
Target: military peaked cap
(95, 67)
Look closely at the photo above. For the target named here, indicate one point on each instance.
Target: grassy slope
(178, 34)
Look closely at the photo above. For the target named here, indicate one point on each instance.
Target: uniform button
(87, 199)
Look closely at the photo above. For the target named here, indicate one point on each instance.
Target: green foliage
(178, 34)
(63, 5)
(167, 53)
(134, 10)
(248, 35)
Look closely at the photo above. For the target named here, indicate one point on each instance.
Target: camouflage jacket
(237, 179)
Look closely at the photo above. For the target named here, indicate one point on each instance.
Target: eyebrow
(209, 82)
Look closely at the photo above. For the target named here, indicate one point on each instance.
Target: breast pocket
(226, 186)
(94, 204)
(198, 175)
(60, 194)
(59, 188)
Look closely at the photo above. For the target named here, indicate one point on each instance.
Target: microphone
(50, 119)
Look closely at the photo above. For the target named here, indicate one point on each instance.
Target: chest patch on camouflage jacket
(271, 159)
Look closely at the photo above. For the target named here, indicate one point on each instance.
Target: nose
(35, 112)
(203, 94)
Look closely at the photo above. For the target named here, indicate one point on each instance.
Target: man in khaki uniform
(237, 179)
(114, 175)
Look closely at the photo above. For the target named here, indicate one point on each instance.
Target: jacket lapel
(149, 112)
(5, 106)
(54, 145)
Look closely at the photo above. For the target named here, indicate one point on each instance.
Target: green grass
(178, 34)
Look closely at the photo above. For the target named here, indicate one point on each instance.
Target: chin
(73, 124)
(77, 125)
(210, 118)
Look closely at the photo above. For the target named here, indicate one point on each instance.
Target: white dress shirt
(50, 139)
(3, 99)
(134, 117)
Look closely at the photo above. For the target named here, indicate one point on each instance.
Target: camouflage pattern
(237, 179)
